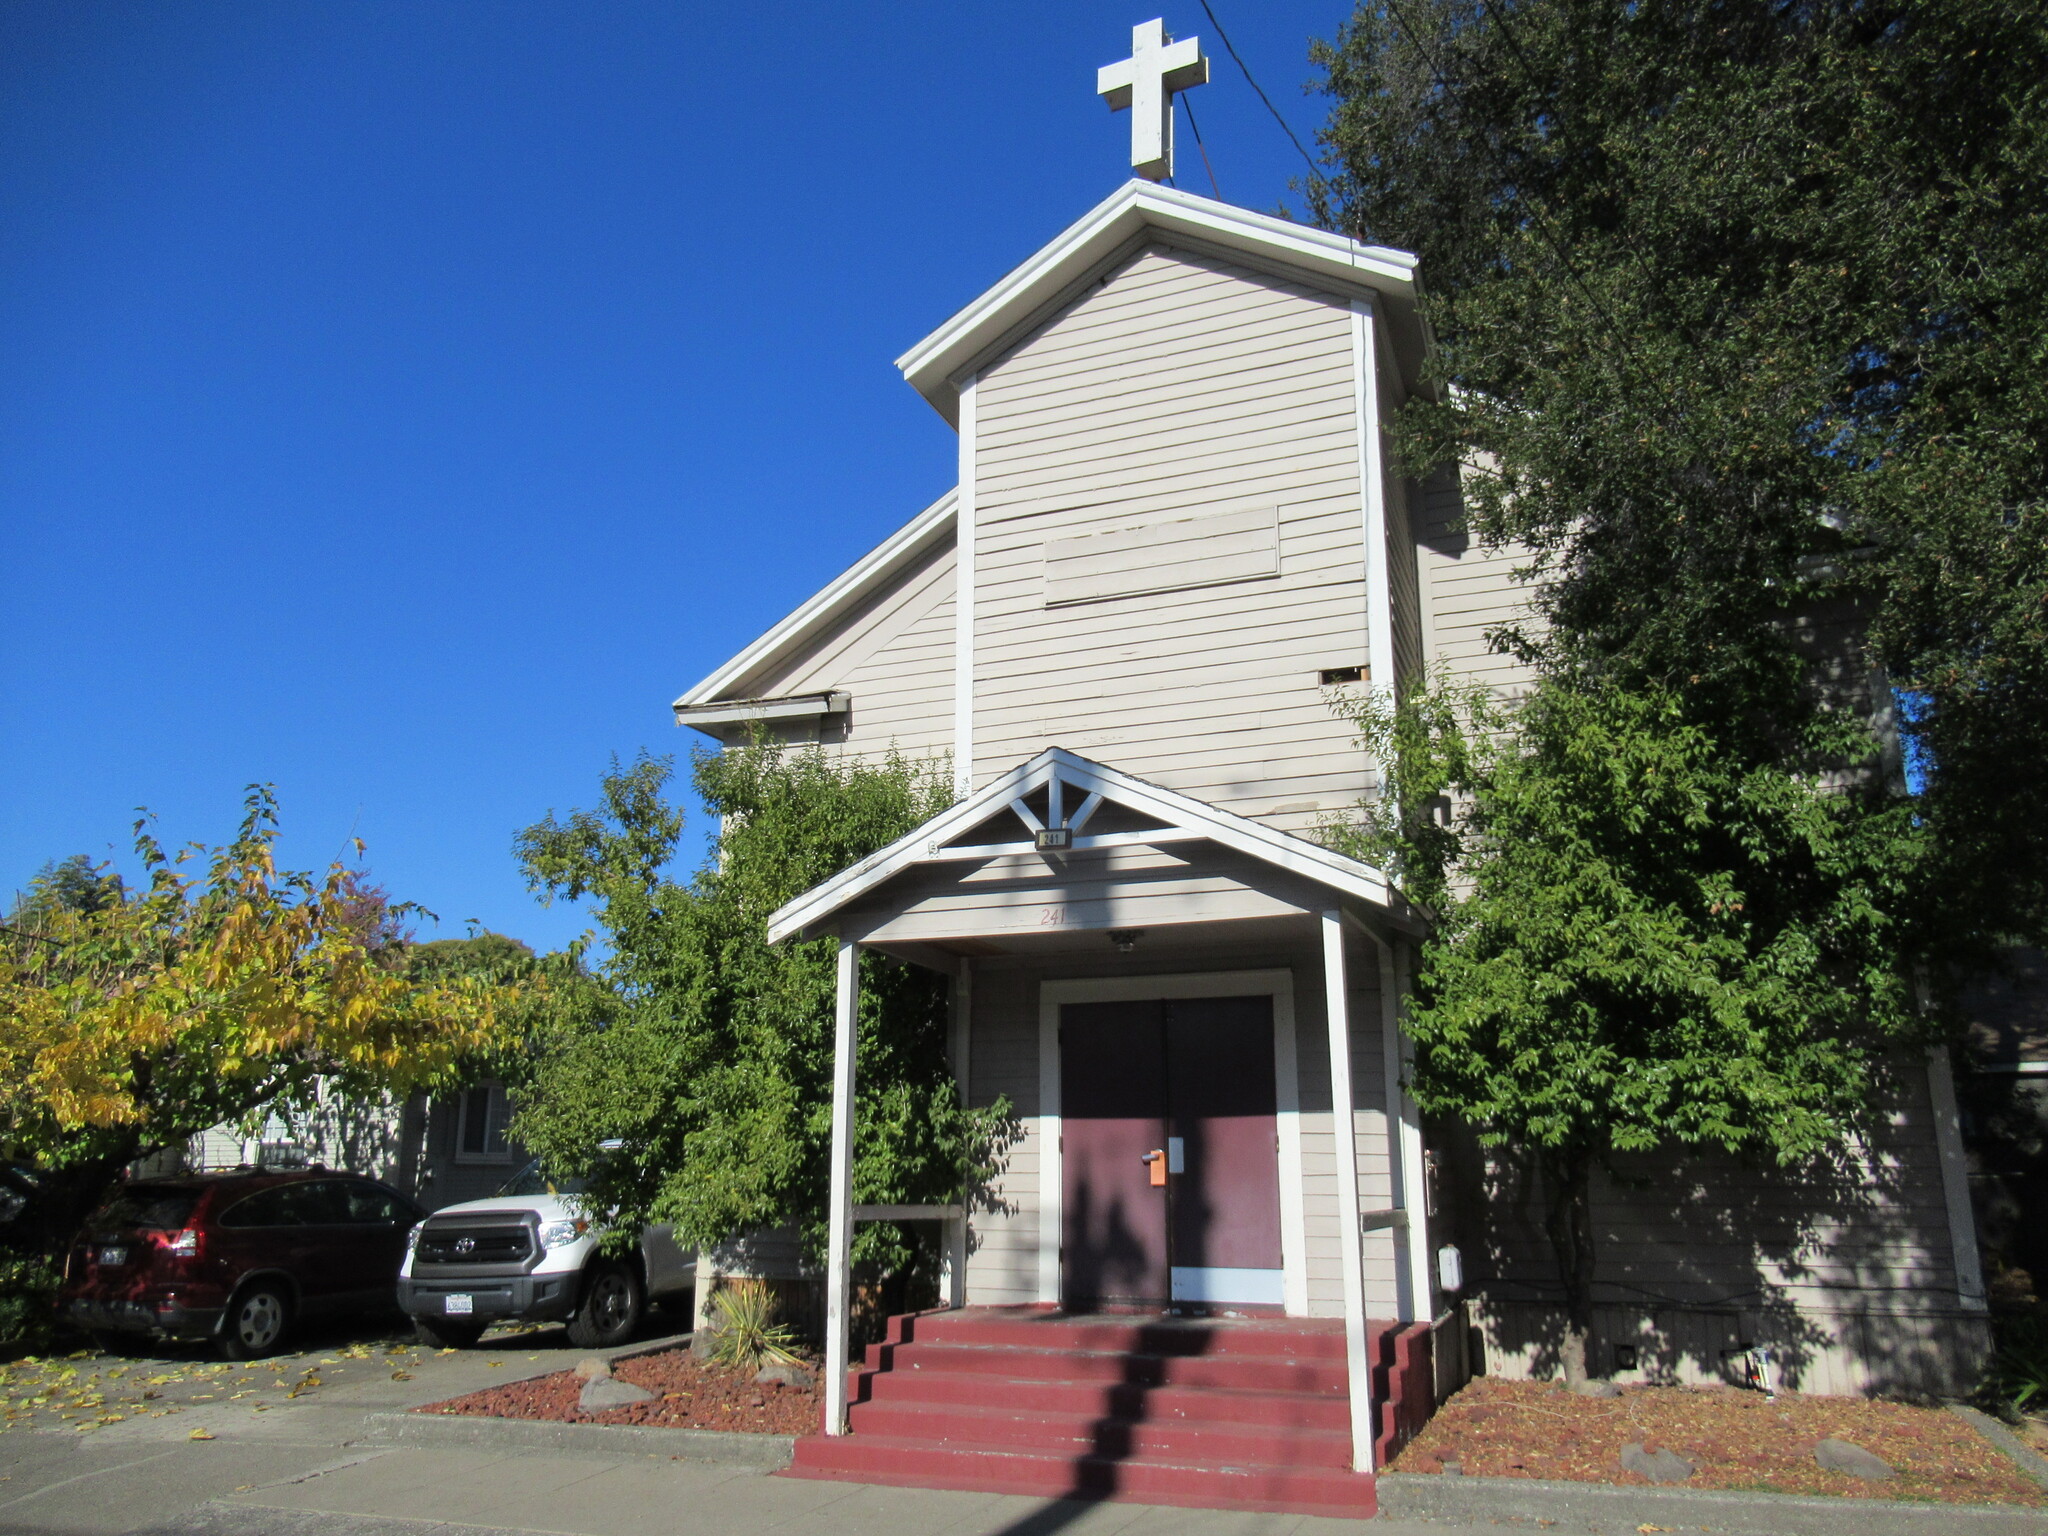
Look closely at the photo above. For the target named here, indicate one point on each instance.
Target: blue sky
(402, 403)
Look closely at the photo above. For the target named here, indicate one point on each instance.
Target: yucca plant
(2019, 1369)
(748, 1335)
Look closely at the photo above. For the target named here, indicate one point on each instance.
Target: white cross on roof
(1147, 82)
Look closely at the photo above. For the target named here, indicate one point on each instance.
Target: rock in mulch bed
(1732, 1439)
(686, 1394)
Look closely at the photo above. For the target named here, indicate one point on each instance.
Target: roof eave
(935, 365)
(807, 915)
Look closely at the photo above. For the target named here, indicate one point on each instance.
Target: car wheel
(612, 1306)
(436, 1333)
(256, 1322)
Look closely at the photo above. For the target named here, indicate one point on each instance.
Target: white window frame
(1278, 985)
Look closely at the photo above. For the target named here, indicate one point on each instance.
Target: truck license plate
(458, 1305)
(113, 1256)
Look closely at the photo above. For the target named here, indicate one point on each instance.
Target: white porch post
(953, 1235)
(1406, 1303)
(1350, 1239)
(838, 1262)
(1414, 1171)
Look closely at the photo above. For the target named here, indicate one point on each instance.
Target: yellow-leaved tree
(221, 990)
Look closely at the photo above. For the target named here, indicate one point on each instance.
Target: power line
(1537, 216)
(1201, 146)
(1313, 169)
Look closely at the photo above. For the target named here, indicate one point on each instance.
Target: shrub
(748, 1335)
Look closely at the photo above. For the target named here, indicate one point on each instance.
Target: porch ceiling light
(1125, 939)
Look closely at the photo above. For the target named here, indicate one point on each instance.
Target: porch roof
(1060, 791)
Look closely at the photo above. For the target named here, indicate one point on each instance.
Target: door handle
(1156, 1158)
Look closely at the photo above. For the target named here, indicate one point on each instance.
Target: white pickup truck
(530, 1253)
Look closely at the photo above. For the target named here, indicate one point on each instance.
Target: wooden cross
(1147, 82)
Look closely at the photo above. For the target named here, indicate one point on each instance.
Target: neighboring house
(2006, 1096)
(1176, 527)
(441, 1151)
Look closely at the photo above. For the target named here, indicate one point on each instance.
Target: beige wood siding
(1404, 578)
(1465, 590)
(1180, 387)
(1135, 887)
(894, 655)
(1838, 1272)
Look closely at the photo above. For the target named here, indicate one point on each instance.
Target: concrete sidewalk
(327, 1465)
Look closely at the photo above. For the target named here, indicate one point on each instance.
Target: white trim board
(1372, 489)
(1130, 214)
(799, 706)
(965, 525)
(1277, 985)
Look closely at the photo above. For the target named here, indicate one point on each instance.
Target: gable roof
(1184, 819)
(1135, 212)
(867, 576)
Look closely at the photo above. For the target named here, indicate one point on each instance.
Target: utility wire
(1537, 216)
(1201, 146)
(1313, 169)
(1507, 32)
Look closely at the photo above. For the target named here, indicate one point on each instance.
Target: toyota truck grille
(474, 1245)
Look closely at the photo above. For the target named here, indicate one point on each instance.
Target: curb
(1599, 1509)
(762, 1453)
(2022, 1455)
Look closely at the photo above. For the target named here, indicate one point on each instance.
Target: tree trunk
(1568, 1217)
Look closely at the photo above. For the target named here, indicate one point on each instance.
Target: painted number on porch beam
(1052, 917)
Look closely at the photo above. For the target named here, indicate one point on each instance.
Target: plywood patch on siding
(1207, 551)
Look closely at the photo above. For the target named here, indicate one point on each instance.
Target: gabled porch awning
(1058, 855)
(1061, 847)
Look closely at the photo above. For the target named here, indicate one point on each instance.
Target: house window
(480, 1125)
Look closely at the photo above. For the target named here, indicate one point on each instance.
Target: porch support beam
(953, 1272)
(1350, 1243)
(1414, 1169)
(1159, 835)
(1414, 1292)
(839, 1233)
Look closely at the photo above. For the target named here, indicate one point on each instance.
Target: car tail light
(183, 1245)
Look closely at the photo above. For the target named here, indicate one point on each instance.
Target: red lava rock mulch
(688, 1395)
(1494, 1428)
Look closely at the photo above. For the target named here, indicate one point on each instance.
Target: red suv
(237, 1257)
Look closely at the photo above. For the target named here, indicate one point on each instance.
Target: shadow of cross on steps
(1216, 1414)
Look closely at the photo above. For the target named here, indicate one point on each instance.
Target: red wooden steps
(1250, 1415)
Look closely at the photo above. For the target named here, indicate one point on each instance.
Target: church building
(1227, 1263)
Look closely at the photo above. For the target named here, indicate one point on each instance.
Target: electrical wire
(1310, 160)
(1537, 218)
(1201, 146)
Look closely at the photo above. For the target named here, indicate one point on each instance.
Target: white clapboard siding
(1170, 543)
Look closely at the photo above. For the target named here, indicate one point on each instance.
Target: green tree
(1742, 309)
(481, 954)
(1643, 943)
(708, 1052)
(75, 884)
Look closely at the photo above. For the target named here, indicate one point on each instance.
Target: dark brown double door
(1170, 1167)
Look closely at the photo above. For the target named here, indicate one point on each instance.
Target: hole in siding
(1334, 675)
